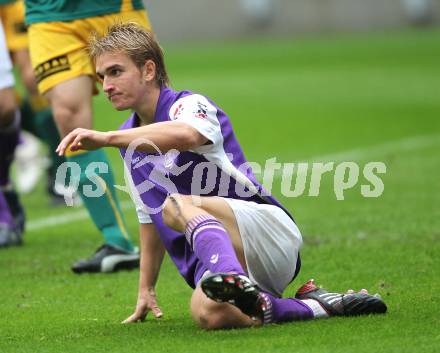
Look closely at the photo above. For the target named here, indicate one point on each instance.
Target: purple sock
(9, 138)
(285, 309)
(5, 213)
(212, 245)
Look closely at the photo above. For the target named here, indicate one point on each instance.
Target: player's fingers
(76, 143)
(157, 312)
(65, 142)
(136, 317)
(129, 320)
(363, 291)
(62, 146)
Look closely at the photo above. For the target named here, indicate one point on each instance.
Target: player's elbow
(190, 138)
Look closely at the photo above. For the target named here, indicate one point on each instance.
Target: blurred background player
(58, 36)
(11, 213)
(36, 115)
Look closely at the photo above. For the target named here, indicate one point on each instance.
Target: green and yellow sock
(104, 210)
(37, 118)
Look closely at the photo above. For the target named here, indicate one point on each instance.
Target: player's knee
(171, 209)
(8, 107)
(7, 117)
(69, 113)
(65, 116)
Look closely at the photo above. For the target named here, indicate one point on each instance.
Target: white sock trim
(318, 310)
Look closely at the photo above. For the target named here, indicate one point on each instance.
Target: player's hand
(82, 139)
(146, 302)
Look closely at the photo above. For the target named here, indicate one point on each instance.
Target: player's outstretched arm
(83, 139)
(152, 253)
(165, 135)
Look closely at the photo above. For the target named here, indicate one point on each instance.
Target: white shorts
(271, 243)
(6, 76)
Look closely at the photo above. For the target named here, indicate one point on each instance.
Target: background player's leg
(9, 139)
(37, 118)
(6, 222)
(71, 102)
(9, 132)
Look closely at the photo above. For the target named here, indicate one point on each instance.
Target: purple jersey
(217, 168)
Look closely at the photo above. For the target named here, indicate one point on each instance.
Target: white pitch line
(380, 150)
(356, 154)
(66, 218)
(369, 152)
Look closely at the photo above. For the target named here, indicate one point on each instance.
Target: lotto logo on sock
(214, 259)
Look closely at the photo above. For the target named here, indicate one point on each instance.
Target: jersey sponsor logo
(201, 110)
(51, 67)
(177, 112)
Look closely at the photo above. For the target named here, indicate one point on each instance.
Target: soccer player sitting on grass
(237, 246)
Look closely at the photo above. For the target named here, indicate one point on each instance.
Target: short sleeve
(198, 112)
(142, 214)
(143, 217)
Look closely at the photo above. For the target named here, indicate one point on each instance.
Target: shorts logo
(51, 67)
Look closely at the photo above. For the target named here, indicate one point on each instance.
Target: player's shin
(212, 245)
(278, 310)
(5, 214)
(103, 206)
(9, 138)
(37, 117)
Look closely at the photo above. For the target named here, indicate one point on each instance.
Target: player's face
(122, 80)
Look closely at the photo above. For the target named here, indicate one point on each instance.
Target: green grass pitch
(371, 97)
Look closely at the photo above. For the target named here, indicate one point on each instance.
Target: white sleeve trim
(143, 217)
(142, 214)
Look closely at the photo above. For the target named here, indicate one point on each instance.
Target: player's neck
(147, 108)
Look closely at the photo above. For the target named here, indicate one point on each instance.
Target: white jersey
(6, 76)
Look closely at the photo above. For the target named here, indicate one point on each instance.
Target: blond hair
(136, 42)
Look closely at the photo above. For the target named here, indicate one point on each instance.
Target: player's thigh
(71, 102)
(22, 59)
(220, 209)
(209, 314)
(217, 207)
(271, 242)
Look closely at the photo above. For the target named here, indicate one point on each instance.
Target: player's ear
(149, 71)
